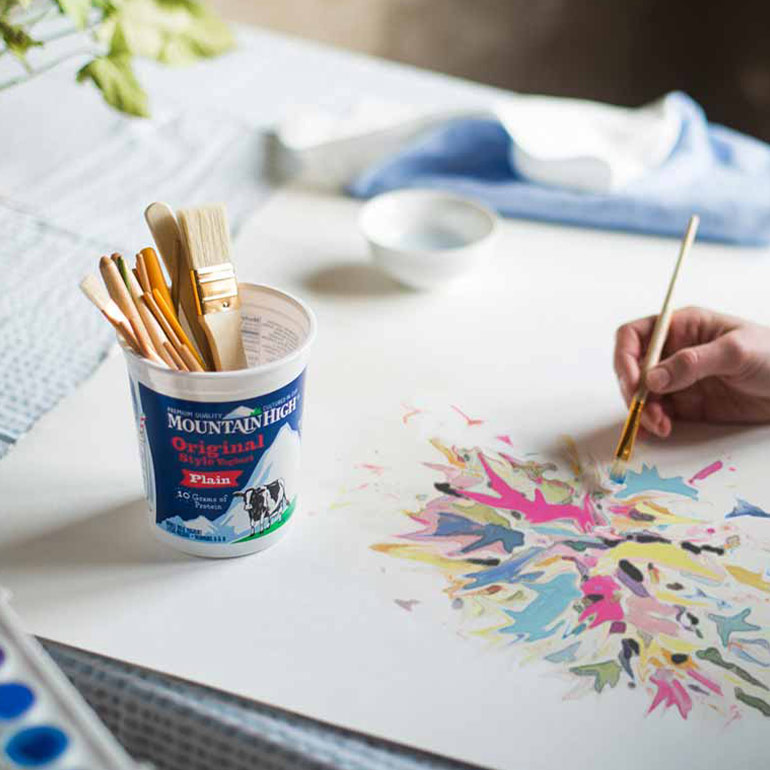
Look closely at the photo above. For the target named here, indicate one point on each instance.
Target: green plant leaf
(115, 78)
(170, 31)
(77, 10)
(17, 40)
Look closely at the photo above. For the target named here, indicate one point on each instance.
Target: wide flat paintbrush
(214, 289)
(655, 349)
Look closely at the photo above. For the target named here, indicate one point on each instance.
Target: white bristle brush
(206, 248)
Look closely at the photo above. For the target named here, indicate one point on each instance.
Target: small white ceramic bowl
(426, 238)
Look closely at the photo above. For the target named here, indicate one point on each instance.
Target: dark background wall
(621, 51)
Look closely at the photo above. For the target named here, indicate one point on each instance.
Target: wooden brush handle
(224, 336)
(120, 294)
(663, 322)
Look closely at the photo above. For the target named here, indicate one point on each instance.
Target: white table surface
(527, 342)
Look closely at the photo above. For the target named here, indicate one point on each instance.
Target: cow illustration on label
(265, 504)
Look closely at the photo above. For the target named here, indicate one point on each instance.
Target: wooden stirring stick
(181, 365)
(174, 323)
(141, 269)
(190, 360)
(119, 293)
(154, 330)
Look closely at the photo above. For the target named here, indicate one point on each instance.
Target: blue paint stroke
(727, 625)
(701, 594)
(567, 655)
(450, 524)
(649, 480)
(742, 508)
(553, 598)
(507, 572)
(746, 656)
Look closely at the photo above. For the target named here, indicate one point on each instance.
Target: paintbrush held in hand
(193, 324)
(654, 350)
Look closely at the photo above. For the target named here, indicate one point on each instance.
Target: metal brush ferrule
(630, 429)
(215, 288)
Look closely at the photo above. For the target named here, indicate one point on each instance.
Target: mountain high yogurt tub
(221, 450)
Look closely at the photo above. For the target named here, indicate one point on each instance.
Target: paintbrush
(159, 306)
(168, 238)
(212, 284)
(149, 259)
(154, 330)
(95, 292)
(652, 358)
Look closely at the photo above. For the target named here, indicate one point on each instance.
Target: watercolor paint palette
(44, 721)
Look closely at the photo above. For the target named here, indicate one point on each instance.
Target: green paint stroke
(712, 655)
(605, 673)
(753, 701)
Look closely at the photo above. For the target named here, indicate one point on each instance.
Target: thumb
(689, 365)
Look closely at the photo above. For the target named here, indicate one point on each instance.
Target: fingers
(655, 420)
(723, 356)
(630, 343)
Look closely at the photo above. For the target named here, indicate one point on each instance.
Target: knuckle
(735, 350)
(686, 362)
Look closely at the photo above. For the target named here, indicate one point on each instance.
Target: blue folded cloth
(713, 171)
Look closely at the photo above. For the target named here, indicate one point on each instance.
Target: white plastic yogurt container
(221, 450)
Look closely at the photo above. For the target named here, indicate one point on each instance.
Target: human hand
(714, 368)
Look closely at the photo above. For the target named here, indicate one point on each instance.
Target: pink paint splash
(407, 604)
(505, 439)
(536, 511)
(469, 420)
(377, 470)
(605, 610)
(704, 473)
(670, 693)
(707, 683)
(410, 412)
(650, 615)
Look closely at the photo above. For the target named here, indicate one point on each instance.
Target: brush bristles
(618, 470)
(206, 236)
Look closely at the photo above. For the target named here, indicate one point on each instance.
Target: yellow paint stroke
(662, 554)
(483, 514)
(749, 578)
(454, 569)
(669, 597)
(452, 457)
(662, 514)
(556, 492)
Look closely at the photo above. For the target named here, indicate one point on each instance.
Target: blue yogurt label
(222, 472)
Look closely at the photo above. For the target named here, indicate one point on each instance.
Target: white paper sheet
(313, 624)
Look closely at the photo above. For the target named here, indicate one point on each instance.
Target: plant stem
(44, 68)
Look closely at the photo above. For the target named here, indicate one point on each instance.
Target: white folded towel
(583, 145)
(569, 143)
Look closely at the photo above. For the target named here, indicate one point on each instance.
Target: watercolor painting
(611, 586)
